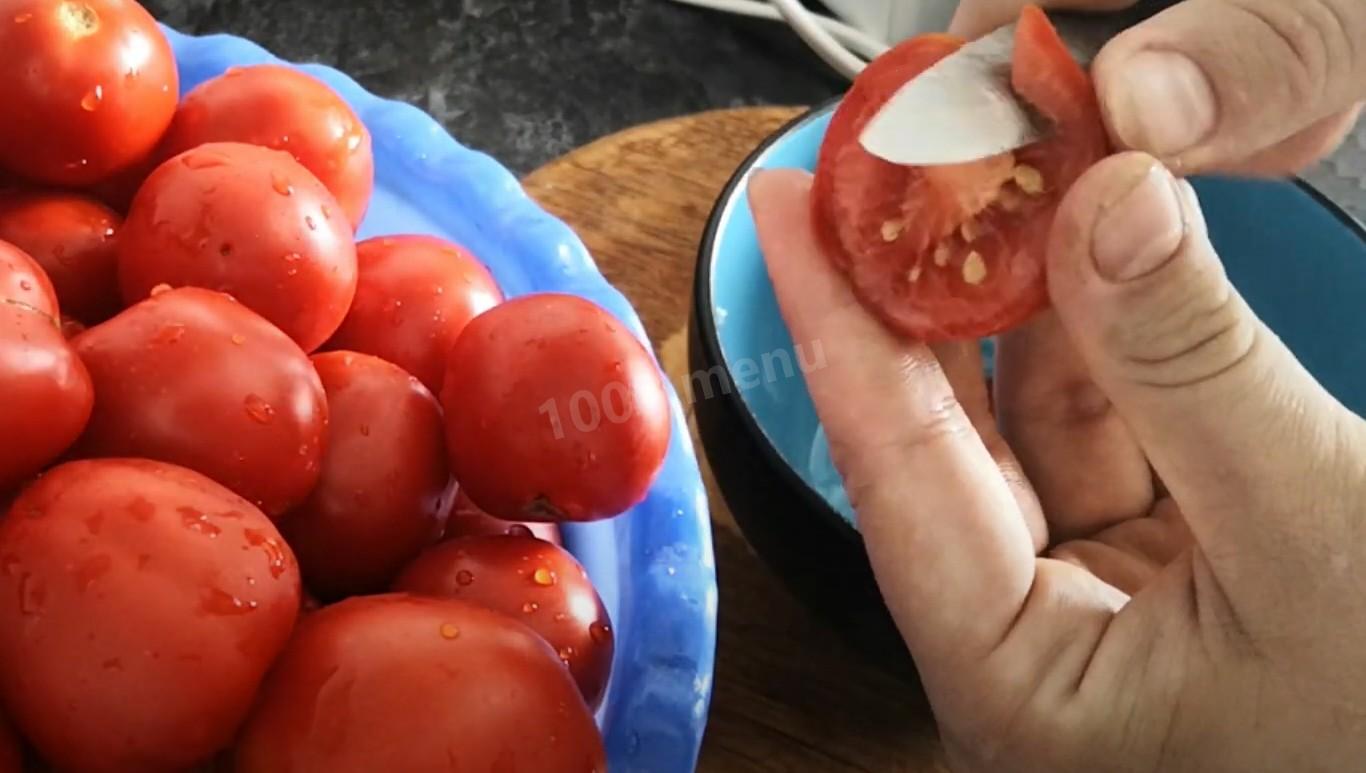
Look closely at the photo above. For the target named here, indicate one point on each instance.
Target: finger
(1239, 432)
(1207, 83)
(941, 526)
(1085, 465)
(962, 364)
(1301, 151)
(974, 18)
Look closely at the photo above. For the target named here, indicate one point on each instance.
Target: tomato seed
(974, 268)
(891, 230)
(1029, 179)
(941, 255)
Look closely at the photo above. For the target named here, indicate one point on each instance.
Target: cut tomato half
(955, 251)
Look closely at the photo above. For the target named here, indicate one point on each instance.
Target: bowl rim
(703, 308)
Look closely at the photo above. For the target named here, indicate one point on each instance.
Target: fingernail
(1141, 228)
(1163, 103)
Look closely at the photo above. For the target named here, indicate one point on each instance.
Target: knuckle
(1188, 332)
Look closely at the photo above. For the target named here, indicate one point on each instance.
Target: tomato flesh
(955, 251)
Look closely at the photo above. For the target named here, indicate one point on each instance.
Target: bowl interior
(653, 566)
(1298, 260)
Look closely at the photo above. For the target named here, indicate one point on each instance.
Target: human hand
(1246, 86)
(1176, 584)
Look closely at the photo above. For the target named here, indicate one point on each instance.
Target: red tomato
(11, 749)
(402, 683)
(282, 108)
(554, 411)
(467, 520)
(88, 88)
(192, 377)
(45, 394)
(140, 606)
(955, 251)
(384, 490)
(71, 327)
(247, 221)
(533, 581)
(72, 238)
(414, 296)
(23, 282)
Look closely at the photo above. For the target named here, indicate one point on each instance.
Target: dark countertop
(528, 80)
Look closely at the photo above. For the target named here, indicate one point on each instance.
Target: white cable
(804, 23)
(832, 39)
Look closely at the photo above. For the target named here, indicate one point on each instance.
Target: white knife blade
(964, 109)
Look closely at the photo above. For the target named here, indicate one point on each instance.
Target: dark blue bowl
(653, 565)
(1299, 260)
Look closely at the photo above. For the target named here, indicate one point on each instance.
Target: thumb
(1246, 441)
(1209, 83)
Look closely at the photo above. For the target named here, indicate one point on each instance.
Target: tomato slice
(955, 251)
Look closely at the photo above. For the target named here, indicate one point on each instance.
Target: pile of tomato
(275, 499)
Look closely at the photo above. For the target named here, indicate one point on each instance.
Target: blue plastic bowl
(653, 565)
(1299, 260)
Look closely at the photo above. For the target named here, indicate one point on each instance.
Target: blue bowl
(1299, 260)
(653, 565)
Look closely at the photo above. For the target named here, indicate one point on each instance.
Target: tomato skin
(384, 492)
(47, 394)
(522, 443)
(397, 682)
(194, 378)
(23, 281)
(11, 749)
(88, 88)
(467, 520)
(72, 238)
(248, 221)
(414, 296)
(140, 606)
(955, 252)
(532, 581)
(282, 108)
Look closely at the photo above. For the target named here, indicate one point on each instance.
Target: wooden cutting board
(789, 694)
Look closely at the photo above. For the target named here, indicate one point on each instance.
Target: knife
(963, 108)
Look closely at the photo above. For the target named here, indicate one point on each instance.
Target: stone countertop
(529, 80)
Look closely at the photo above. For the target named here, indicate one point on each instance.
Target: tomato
(23, 282)
(415, 295)
(955, 251)
(46, 394)
(11, 749)
(88, 88)
(280, 107)
(72, 238)
(140, 606)
(533, 581)
(248, 221)
(467, 520)
(402, 683)
(554, 411)
(192, 377)
(384, 490)
(71, 327)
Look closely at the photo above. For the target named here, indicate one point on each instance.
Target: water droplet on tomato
(327, 212)
(159, 289)
(216, 601)
(449, 631)
(543, 577)
(353, 142)
(141, 509)
(24, 284)
(566, 653)
(92, 99)
(201, 160)
(280, 184)
(10, 564)
(519, 530)
(464, 577)
(112, 664)
(239, 339)
(273, 552)
(303, 450)
(310, 222)
(291, 271)
(600, 632)
(530, 607)
(31, 595)
(365, 430)
(258, 409)
(194, 520)
(169, 334)
(20, 18)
